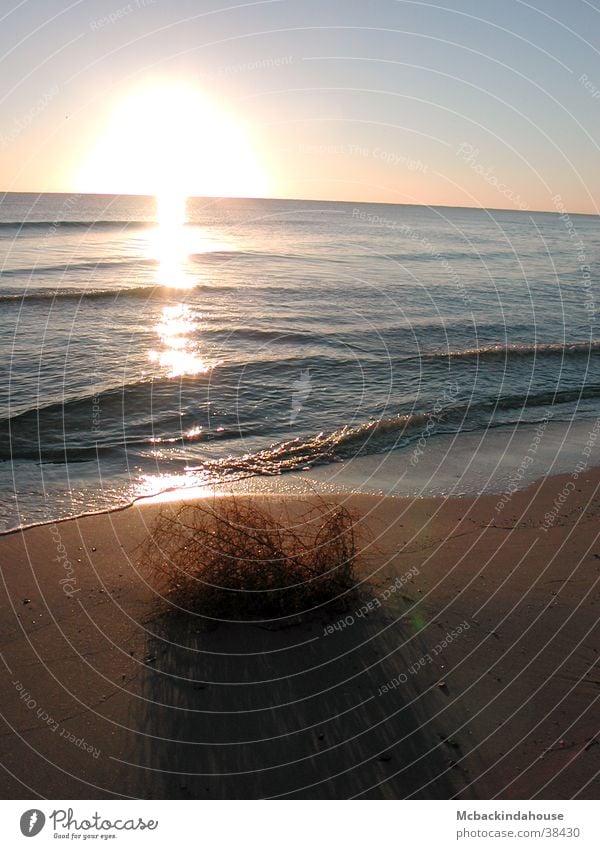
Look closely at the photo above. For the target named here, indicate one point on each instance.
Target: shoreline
(461, 464)
(503, 708)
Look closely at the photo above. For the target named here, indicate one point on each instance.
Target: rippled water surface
(265, 336)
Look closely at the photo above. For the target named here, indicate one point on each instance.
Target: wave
(153, 413)
(230, 254)
(151, 400)
(500, 352)
(440, 253)
(261, 335)
(305, 452)
(542, 398)
(55, 226)
(67, 268)
(150, 290)
(223, 255)
(75, 427)
(373, 437)
(45, 295)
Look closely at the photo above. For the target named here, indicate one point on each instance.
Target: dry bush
(235, 558)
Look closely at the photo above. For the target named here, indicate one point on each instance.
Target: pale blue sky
(349, 100)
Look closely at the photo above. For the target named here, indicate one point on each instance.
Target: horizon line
(314, 200)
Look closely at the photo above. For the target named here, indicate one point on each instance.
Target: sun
(169, 139)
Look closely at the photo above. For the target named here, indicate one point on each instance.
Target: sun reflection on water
(171, 244)
(179, 354)
(176, 245)
(168, 243)
(162, 488)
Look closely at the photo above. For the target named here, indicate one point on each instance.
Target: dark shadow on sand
(237, 711)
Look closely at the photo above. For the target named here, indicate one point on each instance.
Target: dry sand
(106, 694)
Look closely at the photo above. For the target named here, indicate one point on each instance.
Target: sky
(492, 104)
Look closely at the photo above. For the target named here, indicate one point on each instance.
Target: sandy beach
(469, 668)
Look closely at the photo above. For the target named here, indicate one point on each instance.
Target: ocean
(267, 338)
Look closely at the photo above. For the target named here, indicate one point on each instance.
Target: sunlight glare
(169, 242)
(178, 355)
(162, 488)
(166, 138)
(171, 211)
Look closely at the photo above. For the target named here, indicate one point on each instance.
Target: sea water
(261, 338)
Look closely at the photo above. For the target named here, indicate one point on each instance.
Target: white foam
(492, 461)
